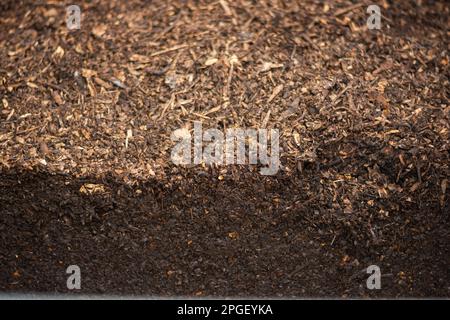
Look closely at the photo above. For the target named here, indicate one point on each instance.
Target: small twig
(157, 53)
(348, 9)
(54, 86)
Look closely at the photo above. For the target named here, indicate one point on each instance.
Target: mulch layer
(86, 176)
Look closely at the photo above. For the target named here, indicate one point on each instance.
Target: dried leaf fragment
(91, 188)
(275, 92)
(139, 58)
(59, 101)
(88, 73)
(99, 30)
(233, 235)
(210, 61)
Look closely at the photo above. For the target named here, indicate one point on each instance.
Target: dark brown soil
(364, 117)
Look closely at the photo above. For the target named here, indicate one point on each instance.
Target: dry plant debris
(85, 124)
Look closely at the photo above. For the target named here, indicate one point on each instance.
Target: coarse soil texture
(86, 176)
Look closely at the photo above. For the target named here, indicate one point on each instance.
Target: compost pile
(86, 176)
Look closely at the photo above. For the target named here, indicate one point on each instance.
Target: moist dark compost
(87, 178)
